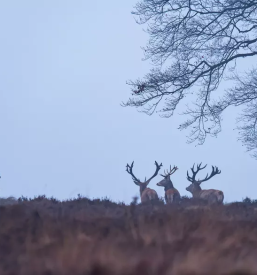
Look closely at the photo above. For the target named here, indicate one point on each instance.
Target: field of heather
(82, 236)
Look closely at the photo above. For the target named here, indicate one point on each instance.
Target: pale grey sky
(63, 72)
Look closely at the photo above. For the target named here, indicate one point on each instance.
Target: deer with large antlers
(146, 193)
(171, 193)
(211, 195)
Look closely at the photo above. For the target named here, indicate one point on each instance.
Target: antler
(129, 170)
(172, 171)
(198, 168)
(158, 167)
(136, 180)
(214, 172)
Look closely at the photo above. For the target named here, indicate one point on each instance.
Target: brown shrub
(99, 237)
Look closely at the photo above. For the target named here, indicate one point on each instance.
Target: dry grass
(82, 236)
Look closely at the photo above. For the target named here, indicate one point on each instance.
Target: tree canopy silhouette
(194, 45)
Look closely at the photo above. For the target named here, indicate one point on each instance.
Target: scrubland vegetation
(82, 236)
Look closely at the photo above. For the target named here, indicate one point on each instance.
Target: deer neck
(169, 186)
(142, 188)
(197, 192)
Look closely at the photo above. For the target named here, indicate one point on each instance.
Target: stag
(211, 195)
(171, 193)
(146, 193)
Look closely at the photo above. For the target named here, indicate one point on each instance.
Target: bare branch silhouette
(194, 45)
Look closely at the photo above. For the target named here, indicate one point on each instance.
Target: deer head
(136, 180)
(195, 184)
(166, 181)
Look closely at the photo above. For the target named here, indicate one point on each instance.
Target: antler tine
(193, 168)
(201, 168)
(129, 170)
(173, 170)
(194, 172)
(215, 171)
(164, 174)
(189, 178)
(158, 167)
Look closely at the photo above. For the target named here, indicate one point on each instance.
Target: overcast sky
(63, 72)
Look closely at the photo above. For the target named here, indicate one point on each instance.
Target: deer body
(211, 195)
(171, 194)
(146, 194)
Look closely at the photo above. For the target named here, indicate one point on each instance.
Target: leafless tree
(194, 45)
(245, 93)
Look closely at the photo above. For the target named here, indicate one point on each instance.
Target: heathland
(100, 237)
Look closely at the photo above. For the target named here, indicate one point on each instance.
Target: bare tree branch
(244, 93)
(193, 44)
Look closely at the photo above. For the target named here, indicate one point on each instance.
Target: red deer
(146, 194)
(171, 194)
(211, 195)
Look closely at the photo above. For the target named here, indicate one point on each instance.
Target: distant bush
(8, 201)
(249, 201)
